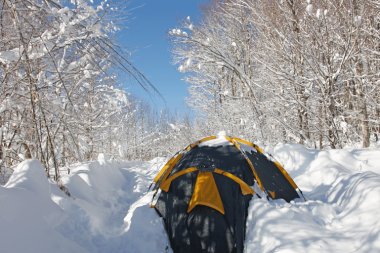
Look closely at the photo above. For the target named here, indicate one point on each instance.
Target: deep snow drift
(109, 208)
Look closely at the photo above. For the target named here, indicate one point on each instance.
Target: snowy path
(109, 210)
(116, 217)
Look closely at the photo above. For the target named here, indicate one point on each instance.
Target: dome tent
(205, 190)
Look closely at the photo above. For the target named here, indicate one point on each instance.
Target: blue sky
(147, 35)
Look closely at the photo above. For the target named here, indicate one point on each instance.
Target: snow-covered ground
(108, 211)
(341, 214)
(109, 208)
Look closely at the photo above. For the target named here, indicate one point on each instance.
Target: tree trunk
(364, 121)
(362, 107)
(27, 154)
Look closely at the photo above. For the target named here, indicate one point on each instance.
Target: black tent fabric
(271, 177)
(205, 228)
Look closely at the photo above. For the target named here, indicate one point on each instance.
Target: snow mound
(30, 175)
(28, 216)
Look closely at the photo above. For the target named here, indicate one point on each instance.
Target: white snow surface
(109, 208)
(342, 188)
(220, 140)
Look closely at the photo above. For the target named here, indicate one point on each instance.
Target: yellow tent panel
(206, 193)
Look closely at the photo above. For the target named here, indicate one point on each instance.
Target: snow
(220, 140)
(246, 148)
(57, 101)
(309, 8)
(342, 188)
(6, 104)
(109, 210)
(181, 69)
(319, 13)
(30, 175)
(175, 128)
(8, 56)
(109, 207)
(29, 216)
(188, 62)
(358, 20)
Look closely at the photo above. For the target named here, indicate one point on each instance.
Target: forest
(273, 71)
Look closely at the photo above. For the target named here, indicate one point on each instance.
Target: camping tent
(205, 191)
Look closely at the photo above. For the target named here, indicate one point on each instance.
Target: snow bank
(28, 216)
(109, 208)
(30, 175)
(343, 193)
